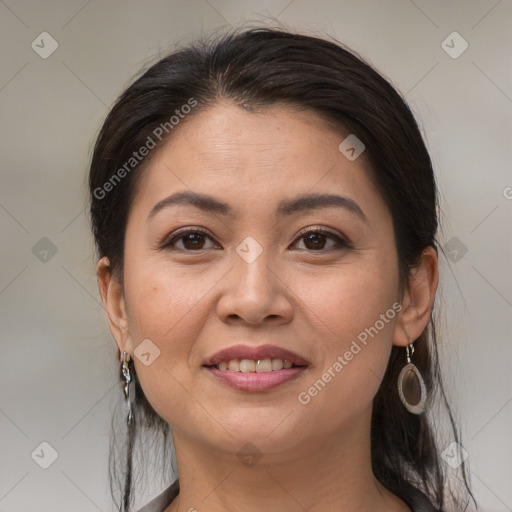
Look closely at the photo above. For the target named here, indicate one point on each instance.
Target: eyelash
(341, 242)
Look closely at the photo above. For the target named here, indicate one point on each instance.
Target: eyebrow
(302, 203)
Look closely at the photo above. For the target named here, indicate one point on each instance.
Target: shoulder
(413, 497)
(163, 500)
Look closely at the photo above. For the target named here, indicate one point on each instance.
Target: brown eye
(316, 240)
(192, 240)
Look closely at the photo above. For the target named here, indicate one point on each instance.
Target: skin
(315, 457)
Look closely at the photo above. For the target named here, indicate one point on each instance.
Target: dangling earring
(411, 386)
(127, 377)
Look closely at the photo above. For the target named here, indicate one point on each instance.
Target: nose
(255, 293)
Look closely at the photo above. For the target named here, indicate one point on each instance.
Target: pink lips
(255, 381)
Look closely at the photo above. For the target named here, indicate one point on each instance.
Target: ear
(418, 300)
(113, 301)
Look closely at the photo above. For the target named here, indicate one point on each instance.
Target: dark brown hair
(255, 68)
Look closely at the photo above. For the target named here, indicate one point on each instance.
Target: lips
(255, 353)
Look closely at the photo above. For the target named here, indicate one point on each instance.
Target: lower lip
(255, 381)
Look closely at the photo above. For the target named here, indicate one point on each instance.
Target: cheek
(164, 304)
(168, 309)
(343, 303)
(354, 318)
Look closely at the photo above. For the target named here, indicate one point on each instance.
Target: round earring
(125, 368)
(411, 386)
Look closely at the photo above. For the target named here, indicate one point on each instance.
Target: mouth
(255, 369)
(255, 366)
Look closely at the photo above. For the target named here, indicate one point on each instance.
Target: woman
(265, 214)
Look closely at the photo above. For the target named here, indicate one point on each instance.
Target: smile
(251, 365)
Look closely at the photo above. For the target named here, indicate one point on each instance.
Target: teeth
(259, 366)
(247, 365)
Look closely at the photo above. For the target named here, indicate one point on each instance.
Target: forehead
(227, 133)
(255, 158)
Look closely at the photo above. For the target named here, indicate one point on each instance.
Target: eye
(192, 239)
(315, 239)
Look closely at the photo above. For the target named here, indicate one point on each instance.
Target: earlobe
(113, 301)
(418, 299)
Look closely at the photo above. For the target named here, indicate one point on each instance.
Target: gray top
(163, 500)
(416, 500)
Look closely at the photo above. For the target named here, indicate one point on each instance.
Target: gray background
(58, 372)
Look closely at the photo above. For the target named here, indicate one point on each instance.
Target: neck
(325, 475)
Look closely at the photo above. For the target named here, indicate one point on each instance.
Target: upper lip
(254, 353)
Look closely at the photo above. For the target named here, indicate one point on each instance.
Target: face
(197, 281)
